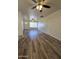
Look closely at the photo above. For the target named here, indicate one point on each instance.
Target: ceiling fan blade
(33, 7)
(46, 6)
(34, 1)
(40, 0)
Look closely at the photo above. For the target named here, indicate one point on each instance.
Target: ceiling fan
(39, 5)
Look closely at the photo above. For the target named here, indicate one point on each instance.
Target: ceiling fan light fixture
(39, 7)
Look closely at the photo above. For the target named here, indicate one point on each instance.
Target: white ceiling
(25, 7)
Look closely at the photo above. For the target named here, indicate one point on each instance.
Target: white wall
(20, 24)
(26, 26)
(52, 24)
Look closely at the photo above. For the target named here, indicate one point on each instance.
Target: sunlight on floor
(33, 34)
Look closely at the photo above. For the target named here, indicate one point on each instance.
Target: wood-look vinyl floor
(38, 46)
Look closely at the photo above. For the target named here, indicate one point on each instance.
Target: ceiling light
(39, 7)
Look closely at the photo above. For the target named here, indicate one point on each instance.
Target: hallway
(38, 45)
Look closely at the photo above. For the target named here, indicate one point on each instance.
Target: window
(33, 24)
